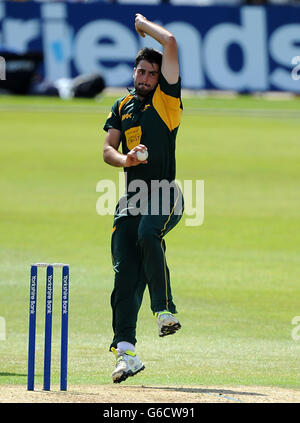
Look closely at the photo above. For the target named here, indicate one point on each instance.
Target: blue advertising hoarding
(249, 48)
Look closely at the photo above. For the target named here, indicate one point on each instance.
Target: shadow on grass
(204, 391)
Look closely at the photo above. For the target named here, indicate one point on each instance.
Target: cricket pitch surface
(150, 394)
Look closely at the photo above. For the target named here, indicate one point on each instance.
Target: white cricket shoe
(128, 364)
(167, 323)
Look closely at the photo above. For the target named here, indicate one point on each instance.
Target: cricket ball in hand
(142, 155)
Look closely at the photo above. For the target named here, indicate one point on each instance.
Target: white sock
(124, 346)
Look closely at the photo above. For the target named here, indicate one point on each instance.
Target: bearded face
(145, 77)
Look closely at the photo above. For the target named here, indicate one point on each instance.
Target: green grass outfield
(235, 278)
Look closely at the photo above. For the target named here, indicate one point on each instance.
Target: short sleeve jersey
(153, 122)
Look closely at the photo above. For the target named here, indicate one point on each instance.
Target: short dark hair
(149, 54)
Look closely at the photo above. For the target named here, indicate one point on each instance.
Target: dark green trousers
(138, 254)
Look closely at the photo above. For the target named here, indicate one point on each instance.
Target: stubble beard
(142, 90)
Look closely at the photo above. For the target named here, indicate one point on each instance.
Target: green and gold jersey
(153, 122)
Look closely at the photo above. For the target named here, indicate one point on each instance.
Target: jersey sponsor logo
(127, 116)
(133, 136)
